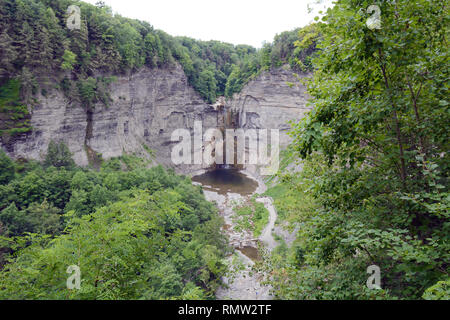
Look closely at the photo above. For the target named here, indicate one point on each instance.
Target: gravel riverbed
(243, 283)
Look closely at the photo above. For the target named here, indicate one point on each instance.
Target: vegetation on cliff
(375, 184)
(373, 191)
(14, 115)
(37, 47)
(250, 216)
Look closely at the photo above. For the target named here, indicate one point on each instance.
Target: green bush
(59, 155)
(376, 161)
(7, 168)
(136, 233)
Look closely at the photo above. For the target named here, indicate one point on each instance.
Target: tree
(79, 44)
(8, 55)
(88, 91)
(59, 155)
(69, 60)
(125, 250)
(380, 126)
(35, 37)
(37, 218)
(136, 234)
(130, 41)
(207, 85)
(24, 43)
(56, 34)
(27, 85)
(41, 50)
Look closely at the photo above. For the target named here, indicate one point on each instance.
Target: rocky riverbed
(243, 282)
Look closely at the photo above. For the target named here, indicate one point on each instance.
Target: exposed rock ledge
(147, 107)
(270, 101)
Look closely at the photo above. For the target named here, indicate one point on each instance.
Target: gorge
(110, 94)
(100, 121)
(148, 106)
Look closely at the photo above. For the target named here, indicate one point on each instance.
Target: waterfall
(227, 119)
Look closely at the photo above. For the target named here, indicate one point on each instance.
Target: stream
(228, 188)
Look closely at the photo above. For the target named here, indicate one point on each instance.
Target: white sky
(234, 21)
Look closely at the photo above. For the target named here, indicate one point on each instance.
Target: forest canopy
(35, 40)
(135, 233)
(375, 183)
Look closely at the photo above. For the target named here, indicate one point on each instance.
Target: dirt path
(266, 236)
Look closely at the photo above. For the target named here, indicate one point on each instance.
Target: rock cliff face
(147, 107)
(269, 102)
(54, 119)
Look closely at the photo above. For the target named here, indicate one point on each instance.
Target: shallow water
(228, 188)
(224, 181)
(251, 253)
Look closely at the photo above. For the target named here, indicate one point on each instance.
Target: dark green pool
(225, 181)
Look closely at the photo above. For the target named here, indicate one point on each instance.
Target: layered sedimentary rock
(55, 118)
(148, 106)
(271, 101)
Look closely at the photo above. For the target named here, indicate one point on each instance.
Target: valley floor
(243, 282)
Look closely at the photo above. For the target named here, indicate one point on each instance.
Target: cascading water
(228, 119)
(227, 178)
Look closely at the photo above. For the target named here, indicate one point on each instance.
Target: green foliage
(242, 74)
(208, 64)
(286, 194)
(87, 89)
(7, 168)
(37, 218)
(10, 93)
(440, 291)
(34, 37)
(14, 116)
(260, 218)
(69, 59)
(252, 216)
(92, 90)
(136, 233)
(376, 155)
(295, 48)
(59, 155)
